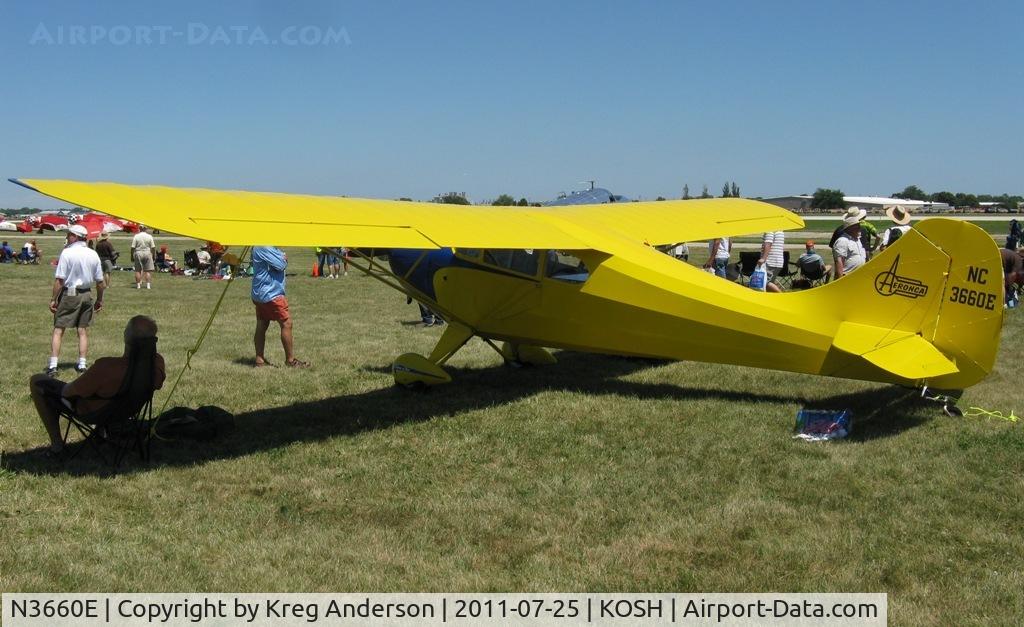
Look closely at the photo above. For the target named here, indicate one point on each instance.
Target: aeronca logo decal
(890, 282)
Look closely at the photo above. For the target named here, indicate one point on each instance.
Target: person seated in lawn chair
(813, 269)
(216, 251)
(95, 388)
(198, 261)
(29, 253)
(204, 258)
(6, 253)
(164, 261)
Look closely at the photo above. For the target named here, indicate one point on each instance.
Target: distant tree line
(822, 199)
(825, 199)
(11, 212)
(507, 201)
(452, 198)
(959, 199)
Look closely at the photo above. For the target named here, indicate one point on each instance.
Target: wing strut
(396, 282)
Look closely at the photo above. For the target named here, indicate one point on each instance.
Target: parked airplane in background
(926, 312)
(95, 223)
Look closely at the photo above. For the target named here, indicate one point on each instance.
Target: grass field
(595, 474)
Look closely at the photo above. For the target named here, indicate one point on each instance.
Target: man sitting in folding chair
(115, 392)
(813, 269)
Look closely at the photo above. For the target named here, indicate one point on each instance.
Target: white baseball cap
(79, 230)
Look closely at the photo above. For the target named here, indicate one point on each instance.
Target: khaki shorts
(108, 266)
(73, 312)
(143, 262)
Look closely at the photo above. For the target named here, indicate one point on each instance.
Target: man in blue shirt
(811, 264)
(6, 253)
(268, 266)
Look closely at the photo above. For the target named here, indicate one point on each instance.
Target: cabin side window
(519, 260)
(565, 266)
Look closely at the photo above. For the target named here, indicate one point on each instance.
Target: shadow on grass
(475, 389)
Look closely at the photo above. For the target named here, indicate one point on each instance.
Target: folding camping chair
(813, 273)
(748, 262)
(124, 422)
(786, 274)
(746, 265)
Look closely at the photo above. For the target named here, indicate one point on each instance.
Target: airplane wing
(674, 221)
(260, 218)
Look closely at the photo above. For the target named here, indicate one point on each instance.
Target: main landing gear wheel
(412, 370)
(415, 371)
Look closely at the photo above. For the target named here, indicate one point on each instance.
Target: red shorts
(276, 309)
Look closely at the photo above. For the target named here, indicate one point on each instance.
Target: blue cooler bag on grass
(816, 424)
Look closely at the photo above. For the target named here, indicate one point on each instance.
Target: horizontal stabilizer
(904, 354)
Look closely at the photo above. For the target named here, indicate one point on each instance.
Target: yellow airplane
(926, 312)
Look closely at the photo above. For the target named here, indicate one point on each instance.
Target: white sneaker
(138, 286)
(149, 286)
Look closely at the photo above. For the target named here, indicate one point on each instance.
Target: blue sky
(527, 98)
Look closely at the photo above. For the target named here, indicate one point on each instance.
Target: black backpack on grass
(184, 423)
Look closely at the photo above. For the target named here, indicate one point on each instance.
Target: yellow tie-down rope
(199, 342)
(978, 411)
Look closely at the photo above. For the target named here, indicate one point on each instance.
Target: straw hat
(853, 216)
(897, 214)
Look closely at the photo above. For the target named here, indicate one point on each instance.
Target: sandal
(263, 364)
(297, 363)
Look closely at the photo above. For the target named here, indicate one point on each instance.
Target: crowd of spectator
(851, 245)
(29, 253)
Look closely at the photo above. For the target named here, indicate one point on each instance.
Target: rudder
(968, 325)
(926, 311)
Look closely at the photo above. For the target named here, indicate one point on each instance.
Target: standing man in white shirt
(772, 247)
(718, 256)
(78, 271)
(900, 224)
(848, 250)
(142, 254)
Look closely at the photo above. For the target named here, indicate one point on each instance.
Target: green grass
(596, 474)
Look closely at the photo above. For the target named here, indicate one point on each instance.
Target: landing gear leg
(414, 370)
